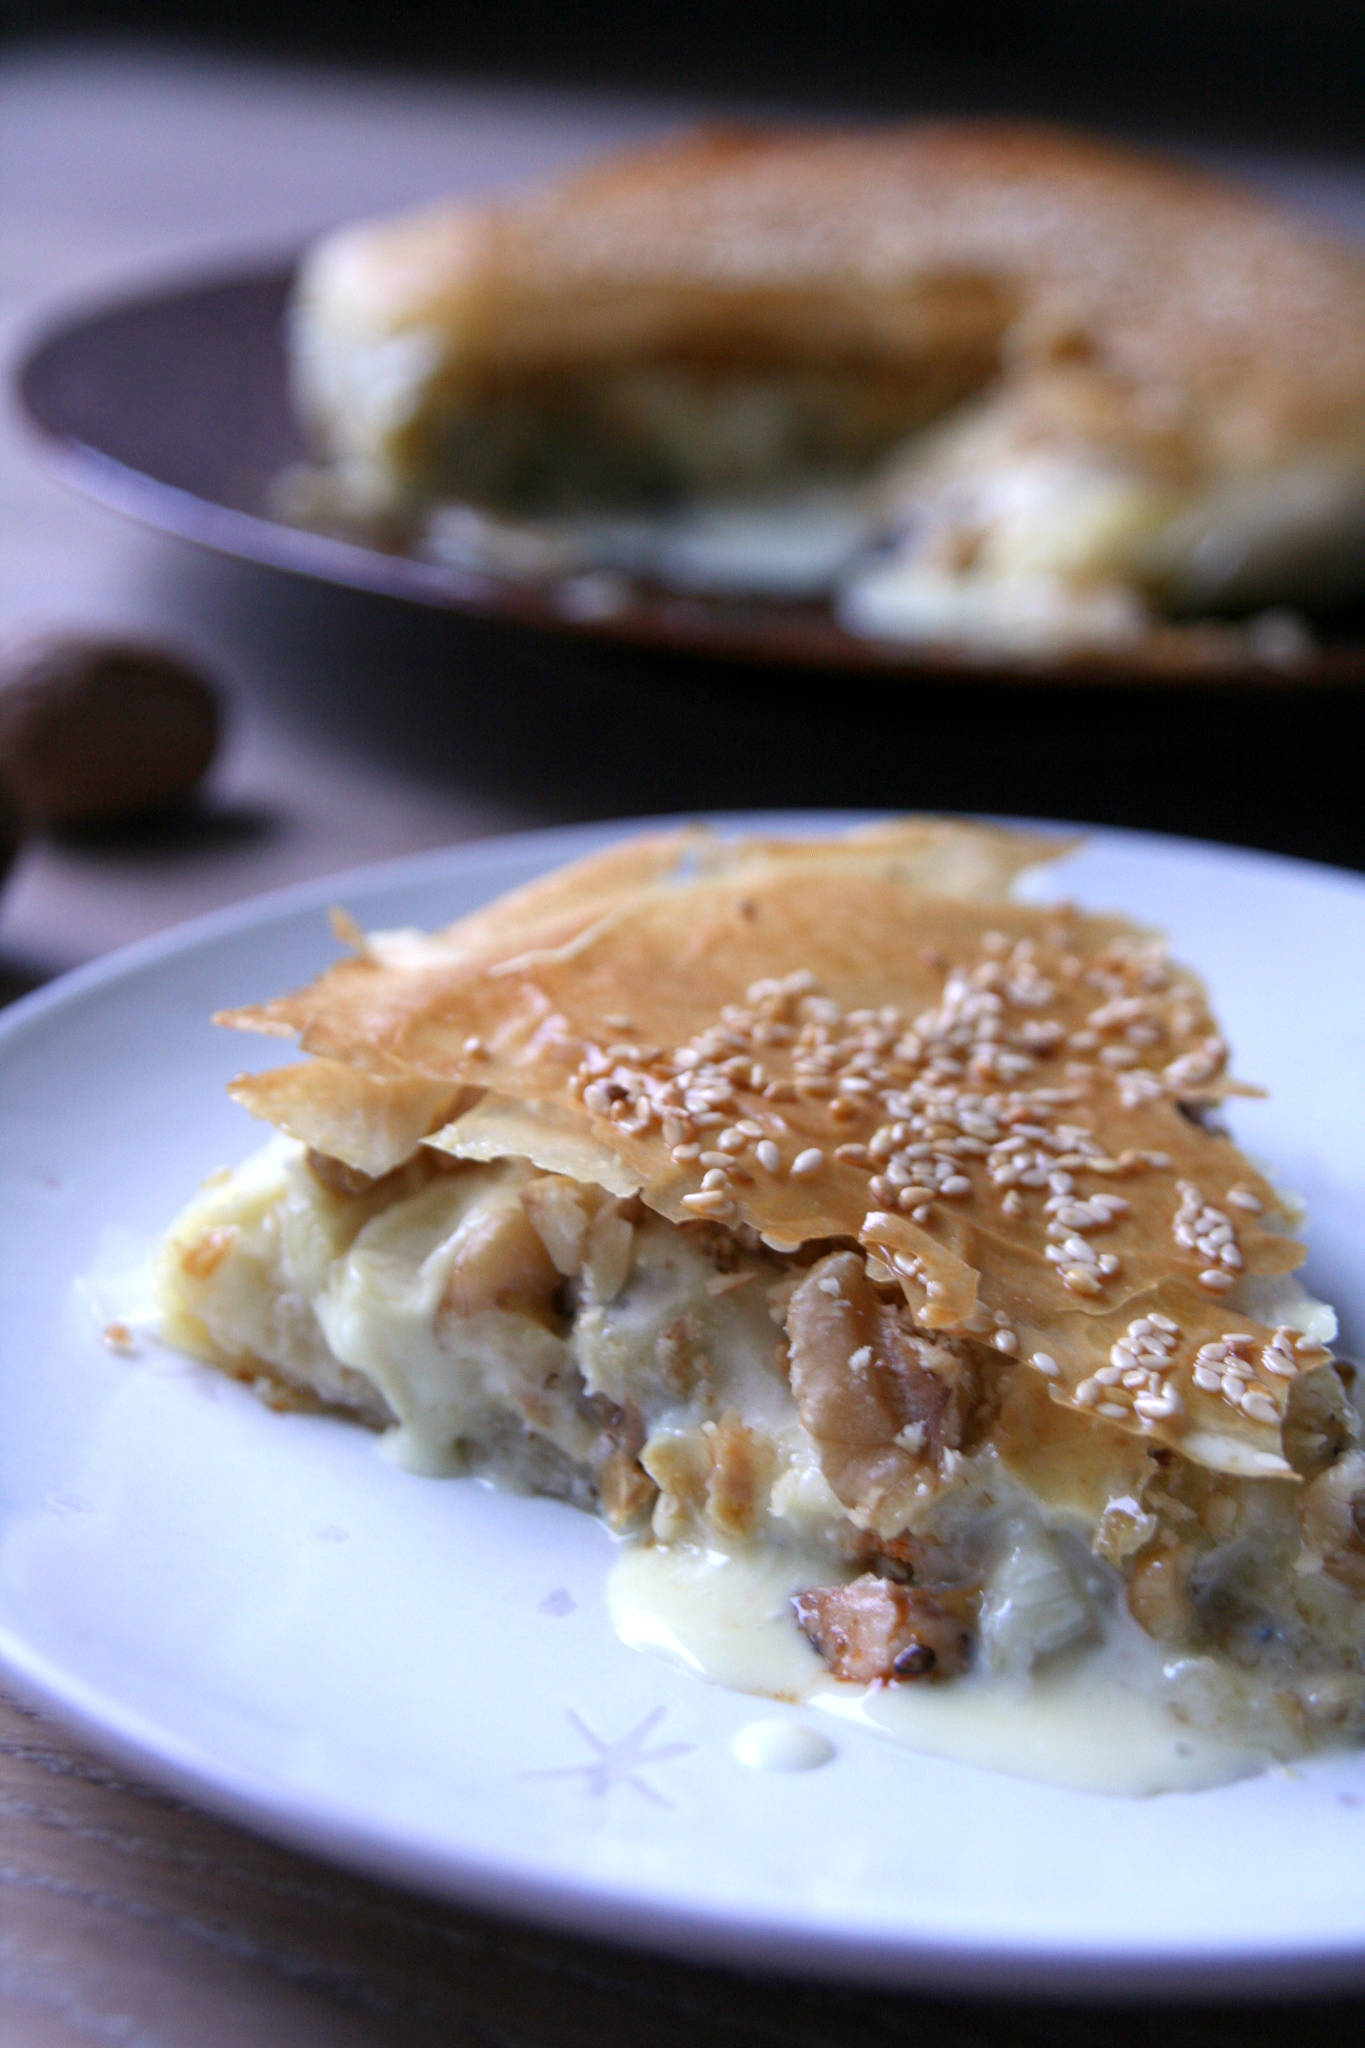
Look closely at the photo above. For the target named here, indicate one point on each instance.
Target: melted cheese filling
(1106, 1713)
(408, 1306)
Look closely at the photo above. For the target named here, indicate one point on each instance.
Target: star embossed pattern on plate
(619, 1762)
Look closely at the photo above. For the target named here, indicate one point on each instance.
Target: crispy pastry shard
(740, 1187)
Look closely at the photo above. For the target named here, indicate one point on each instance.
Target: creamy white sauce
(1090, 1718)
(782, 1746)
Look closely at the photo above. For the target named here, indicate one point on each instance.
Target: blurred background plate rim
(761, 636)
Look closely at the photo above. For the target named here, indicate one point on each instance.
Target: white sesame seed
(1259, 1406)
(1045, 1363)
(1215, 1281)
(808, 1163)
(768, 1155)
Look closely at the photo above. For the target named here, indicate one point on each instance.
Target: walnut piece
(875, 1630)
(93, 731)
(883, 1403)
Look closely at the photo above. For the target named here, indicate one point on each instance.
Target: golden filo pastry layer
(859, 1042)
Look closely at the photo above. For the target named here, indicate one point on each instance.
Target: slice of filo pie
(986, 385)
(818, 1199)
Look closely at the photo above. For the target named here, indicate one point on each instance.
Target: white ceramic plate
(419, 1678)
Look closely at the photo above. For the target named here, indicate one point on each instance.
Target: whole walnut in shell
(93, 731)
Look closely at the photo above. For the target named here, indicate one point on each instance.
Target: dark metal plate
(173, 407)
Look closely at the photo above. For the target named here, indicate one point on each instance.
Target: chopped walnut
(1159, 1595)
(624, 1488)
(742, 1467)
(884, 1404)
(681, 1357)
(501, 1263)
(680, 1464)
(875, 1630)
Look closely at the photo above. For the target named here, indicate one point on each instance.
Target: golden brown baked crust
(857, 1042)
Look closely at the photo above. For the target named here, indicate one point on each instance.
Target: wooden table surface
(126, 1916)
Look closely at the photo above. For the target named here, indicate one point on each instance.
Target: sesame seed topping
(978, 1101)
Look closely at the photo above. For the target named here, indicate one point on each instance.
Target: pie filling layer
(687, 1383)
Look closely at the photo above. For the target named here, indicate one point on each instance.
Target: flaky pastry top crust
(860, 1041)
